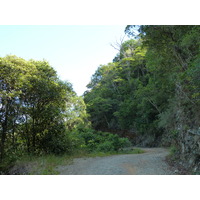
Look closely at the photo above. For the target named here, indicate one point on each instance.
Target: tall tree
(35, 107)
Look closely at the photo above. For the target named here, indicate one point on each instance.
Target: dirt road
(149, 163)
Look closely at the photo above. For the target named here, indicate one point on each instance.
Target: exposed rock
(187, 143)
(190, 150)
(176, 171)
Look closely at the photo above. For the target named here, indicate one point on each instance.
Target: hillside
(148, 96)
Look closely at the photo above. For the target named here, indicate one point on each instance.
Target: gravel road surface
(149, 163)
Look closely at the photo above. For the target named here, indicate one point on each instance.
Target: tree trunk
(33, 129)
(4, 132)
(27, 136)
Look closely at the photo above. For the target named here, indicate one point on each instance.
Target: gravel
(152, 162)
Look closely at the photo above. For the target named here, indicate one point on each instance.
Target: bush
(56, 143)
(173, 150)
(124, 142)
(76, 141)
(118, 142)
(93, 141)
(107, 146)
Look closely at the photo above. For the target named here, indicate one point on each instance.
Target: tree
(172, 57)
(35, 108)
(112, 89)
(14, 72)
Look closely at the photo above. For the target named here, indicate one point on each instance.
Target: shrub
(76, 141)
(173, 150)
(93, 141)
(118, 142)
(124, 142)
(56, 143)
(107, 146)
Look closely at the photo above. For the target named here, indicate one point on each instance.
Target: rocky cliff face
(187, 133)
(189, 143)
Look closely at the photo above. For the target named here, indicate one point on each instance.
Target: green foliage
(123, 142)
(97, 141)
(152, 86)
(106, 146)
(173, 152)
(122, 99)
(58, 143)
(137, 151)
(37, 109)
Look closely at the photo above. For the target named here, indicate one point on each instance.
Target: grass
(46, 164)
(42, 165)
(102, 154)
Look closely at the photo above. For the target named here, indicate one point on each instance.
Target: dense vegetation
(40, 114)
(150, 94)
(151, 90)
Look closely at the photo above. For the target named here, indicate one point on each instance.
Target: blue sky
(75, 52)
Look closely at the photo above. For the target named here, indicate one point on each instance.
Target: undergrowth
(46, 164)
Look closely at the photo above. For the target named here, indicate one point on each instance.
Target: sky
(74, 51)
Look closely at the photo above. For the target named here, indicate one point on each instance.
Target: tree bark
(4, 131)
